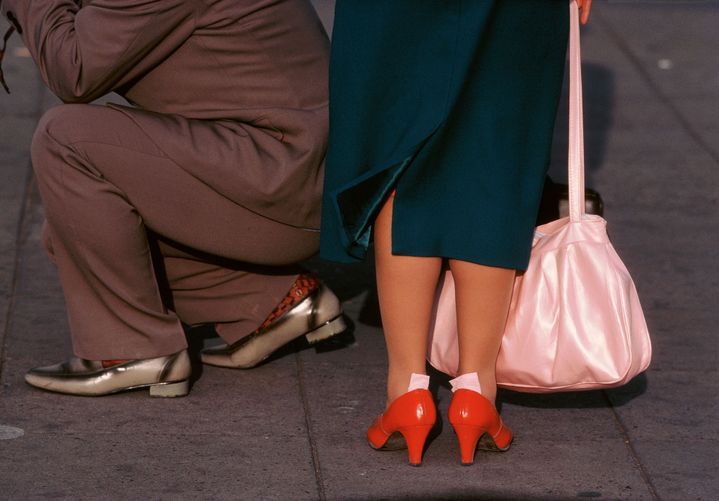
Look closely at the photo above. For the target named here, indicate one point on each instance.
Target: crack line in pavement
(678, 115)
(308, 424)
(26, 204)
(19, 237)
(630, 447)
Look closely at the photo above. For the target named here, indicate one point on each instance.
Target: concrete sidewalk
(293, 428)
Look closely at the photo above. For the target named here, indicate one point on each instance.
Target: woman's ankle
(475, 381)
(398, 385)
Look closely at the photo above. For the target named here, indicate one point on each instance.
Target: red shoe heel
(467, 436)
(475, 419)
(415, 437)
(412, 415)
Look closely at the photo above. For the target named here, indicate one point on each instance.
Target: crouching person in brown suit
(192, 205)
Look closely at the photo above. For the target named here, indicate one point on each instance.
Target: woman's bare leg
(405, 286)
(483, 297)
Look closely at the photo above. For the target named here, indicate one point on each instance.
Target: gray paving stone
(325, 9)
(682, 469)
(652, 139)
(668, 31)
(701, 111)
(27, 90)
(177, 464)
(684, 340)
(677, 35)
(676, 405)
(548, 439)
(18, 115)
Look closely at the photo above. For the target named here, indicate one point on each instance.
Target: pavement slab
(592, 457)
(293, 428)
(19, 113)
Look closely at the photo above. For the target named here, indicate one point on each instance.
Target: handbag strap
(575, 158)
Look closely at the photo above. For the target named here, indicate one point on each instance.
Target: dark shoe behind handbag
(555, 202)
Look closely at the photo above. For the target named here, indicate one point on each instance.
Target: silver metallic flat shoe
(317, 317)
(166, 376)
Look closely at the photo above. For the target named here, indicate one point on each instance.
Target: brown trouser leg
(104, 183)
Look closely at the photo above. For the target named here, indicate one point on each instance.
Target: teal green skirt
(452, 104)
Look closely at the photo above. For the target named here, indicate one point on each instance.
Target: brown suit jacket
(234, 91)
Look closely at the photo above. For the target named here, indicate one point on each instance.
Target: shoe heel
(415, 437)
(179, 389)
(468, 436)
(334, 326)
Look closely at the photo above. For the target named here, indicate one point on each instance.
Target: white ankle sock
(418, 382)
(469, 381)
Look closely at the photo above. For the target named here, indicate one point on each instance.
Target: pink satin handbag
(575, 322)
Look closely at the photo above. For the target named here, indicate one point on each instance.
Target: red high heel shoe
(473, 417)
(413, 415)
